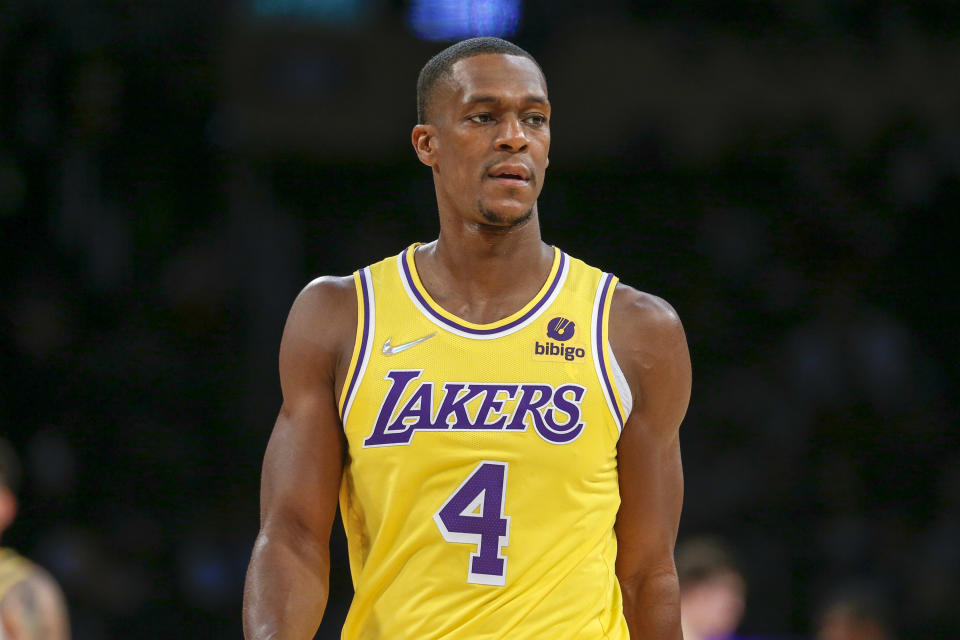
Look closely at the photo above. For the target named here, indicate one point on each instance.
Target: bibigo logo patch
(561, 330)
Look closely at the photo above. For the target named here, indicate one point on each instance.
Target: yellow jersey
(480, 489)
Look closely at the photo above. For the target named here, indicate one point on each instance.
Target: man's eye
(481, 118)
(536, 120)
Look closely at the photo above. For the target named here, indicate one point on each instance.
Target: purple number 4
(474, 515)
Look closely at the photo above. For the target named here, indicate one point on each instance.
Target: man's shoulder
(646, 335)
(324, 312)
(327, 289)
(637, 310)
(631, 309)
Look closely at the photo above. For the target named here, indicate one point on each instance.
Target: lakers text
(554, 412)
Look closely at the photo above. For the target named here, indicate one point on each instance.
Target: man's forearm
(651, 605)
(286, 589)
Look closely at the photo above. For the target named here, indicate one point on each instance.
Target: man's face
(491, 127)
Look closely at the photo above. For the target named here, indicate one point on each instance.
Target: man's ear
(424, 139)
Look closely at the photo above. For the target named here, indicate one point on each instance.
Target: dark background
(786, 174)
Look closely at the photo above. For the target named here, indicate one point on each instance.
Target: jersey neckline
(446, 320)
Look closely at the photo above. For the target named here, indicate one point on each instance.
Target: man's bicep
(301, 471)
(304, 457)
(287, 582)
(650, 344)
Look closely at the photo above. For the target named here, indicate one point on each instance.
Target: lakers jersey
(480, 490)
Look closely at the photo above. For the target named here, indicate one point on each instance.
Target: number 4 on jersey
(474, 515)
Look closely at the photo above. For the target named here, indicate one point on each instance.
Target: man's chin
(507, 216)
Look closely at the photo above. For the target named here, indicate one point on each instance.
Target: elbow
(659, 584)
(651, 603)
(296, 541)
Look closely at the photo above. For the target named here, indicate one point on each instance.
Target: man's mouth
(516, 175)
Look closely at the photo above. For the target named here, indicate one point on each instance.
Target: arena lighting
(335, 12)
(457, 19)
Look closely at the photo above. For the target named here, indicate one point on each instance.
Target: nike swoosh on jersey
(389, 351)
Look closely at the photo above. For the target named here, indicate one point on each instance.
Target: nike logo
(389, 351)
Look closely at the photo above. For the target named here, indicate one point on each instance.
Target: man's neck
(483, 273)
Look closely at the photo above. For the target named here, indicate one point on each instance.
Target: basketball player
(499, 420)
(31, 604)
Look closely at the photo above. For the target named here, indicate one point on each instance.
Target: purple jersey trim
(439, 317)
(601, 345)
(363, 342)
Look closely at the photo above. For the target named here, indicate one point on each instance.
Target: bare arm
(648, 340)
(35, 610)
(288, 578)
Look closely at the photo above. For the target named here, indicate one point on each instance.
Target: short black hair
(9, 467)
(438, 67)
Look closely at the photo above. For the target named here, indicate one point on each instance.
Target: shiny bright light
(458, 19)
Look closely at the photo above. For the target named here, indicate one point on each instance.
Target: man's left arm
(648, 341)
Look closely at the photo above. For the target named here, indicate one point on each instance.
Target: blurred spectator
(712, 590)
(31, 604)
(854, 614)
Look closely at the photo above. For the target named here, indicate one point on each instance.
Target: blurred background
(787, 174)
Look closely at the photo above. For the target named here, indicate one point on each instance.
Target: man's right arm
(288, 578)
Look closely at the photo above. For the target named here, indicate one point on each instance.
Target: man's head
(437, 71)
(9, 484)
(484, 130)
(712, 589)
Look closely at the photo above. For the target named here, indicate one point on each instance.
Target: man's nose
(511, 136)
